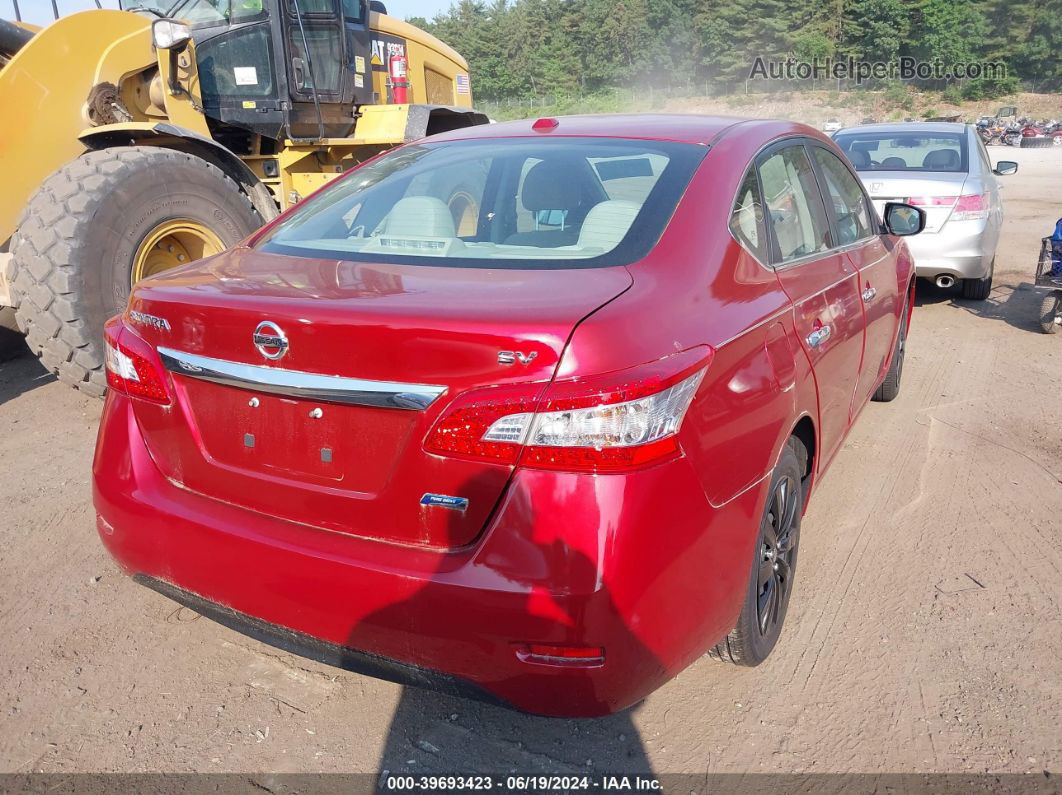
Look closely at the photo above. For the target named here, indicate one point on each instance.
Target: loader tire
(79, 235)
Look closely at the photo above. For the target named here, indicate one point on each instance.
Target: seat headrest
(942, 160)
(607, 223)
(419, 216)
(894, 163)
(859, 158)
(549, 186)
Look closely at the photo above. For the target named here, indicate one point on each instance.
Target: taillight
(964, 208)
(605, 423)
(132, 365)
(970, 208)
(931, 201)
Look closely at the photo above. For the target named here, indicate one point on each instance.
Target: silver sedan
(945, 169)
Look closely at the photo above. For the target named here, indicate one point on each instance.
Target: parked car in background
(945, 169)
(833, 125)
(527, 411)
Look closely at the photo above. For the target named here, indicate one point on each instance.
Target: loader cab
(279, 68)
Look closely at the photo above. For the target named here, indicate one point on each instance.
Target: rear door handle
(819, 336)
(868, 294)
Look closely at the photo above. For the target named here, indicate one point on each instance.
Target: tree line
(531, 48)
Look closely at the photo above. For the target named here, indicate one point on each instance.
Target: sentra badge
(144, 319)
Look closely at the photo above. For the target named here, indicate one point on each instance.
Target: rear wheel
(1051, 313)
(99, 224)
(771, 582)
(979, 289)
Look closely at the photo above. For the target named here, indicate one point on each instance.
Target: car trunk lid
(330, 432)
(901, 186)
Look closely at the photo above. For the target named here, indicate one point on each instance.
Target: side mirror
(903, 219)
(377, 7)
(1005, 167)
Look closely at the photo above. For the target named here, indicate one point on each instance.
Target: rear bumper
(638, 564)
(961, 250)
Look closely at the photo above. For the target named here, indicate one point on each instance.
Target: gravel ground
(923, 635)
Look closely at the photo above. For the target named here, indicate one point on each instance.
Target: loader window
(322, 8)
(238, 64)
(160, 7)
(354, 10)
(211, 13)
(492, 203)
(324, 56)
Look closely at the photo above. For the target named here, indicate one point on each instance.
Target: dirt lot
(924, 633)
(851, 107)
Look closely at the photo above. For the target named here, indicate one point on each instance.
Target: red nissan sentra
(527, 412)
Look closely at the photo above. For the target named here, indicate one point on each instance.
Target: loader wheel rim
(171, 244)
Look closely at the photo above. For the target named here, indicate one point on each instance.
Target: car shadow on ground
(434, 734)
(1015, 303)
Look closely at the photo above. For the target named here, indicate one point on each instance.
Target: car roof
(679, 127)
(909, 126)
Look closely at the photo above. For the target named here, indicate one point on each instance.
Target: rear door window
(845, 200)
(794, 207)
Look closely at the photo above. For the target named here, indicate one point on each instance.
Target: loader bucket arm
(43, 92)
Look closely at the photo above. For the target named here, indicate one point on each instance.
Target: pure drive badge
(443, 501)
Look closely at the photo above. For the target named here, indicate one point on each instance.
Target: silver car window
(913, 150)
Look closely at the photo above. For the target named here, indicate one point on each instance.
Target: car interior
(572, 205)
(904, 153)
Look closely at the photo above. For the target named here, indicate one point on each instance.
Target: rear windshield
(905, 151)
(500, 202)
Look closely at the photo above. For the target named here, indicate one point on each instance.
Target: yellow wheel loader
(136, 140)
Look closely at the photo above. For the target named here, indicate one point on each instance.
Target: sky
(40, 11)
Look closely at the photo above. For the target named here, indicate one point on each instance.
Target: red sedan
(528, 412)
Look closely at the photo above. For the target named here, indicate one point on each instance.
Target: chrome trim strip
(308, 386)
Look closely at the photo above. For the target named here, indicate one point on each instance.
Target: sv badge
(512, 357)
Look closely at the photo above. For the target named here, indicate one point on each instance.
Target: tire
(749, 643)
(979, 289)
(77, 238)
(1050, 312)
(888, 390)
